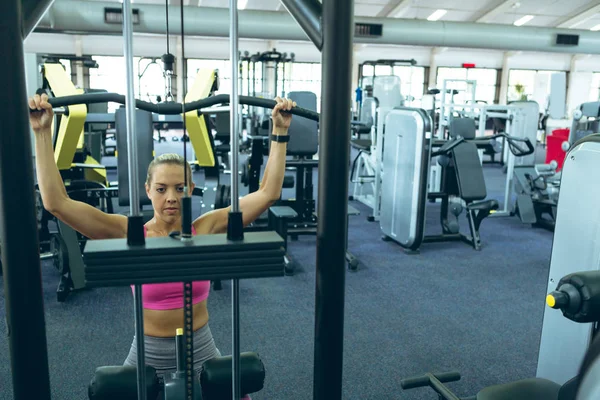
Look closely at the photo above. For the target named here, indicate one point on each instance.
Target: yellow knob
(179, 332)
(551, 301)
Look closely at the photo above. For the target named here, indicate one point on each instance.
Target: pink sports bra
(169, 296)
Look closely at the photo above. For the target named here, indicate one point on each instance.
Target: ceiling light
(595, 28)
(523, 20)
(241, 4)
(437, 15)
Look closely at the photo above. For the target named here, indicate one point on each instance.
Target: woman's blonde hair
(168, 159)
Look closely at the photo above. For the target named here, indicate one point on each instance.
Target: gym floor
(449, 308)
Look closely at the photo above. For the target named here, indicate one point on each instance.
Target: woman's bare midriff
(164, 323)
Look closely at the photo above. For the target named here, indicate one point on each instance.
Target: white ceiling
(577, 14)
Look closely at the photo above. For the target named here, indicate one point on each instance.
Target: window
(411, 78)
(485, 83)
(224, 71)
(302, 77)
(520, 84)
(67, 65)
(297, 77)
(530, 85)
(151, 85)
(595, 89)
(111, 76)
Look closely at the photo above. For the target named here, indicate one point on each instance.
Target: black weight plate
(219, 197)
(61, 258)
(39, 209)
(228, 196)
(246, 172)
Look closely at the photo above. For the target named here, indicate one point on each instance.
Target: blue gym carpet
(448, 308)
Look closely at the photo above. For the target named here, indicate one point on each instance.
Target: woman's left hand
(281, 121)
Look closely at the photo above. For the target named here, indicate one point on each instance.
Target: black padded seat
(223, 148)
(483, 205)
(361, 144)
(526, 389)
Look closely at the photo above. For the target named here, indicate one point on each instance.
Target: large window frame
(486, 87)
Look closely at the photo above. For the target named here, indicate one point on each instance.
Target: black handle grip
(447, 147)
(514, 148)
(517, 150)
(424, 380)
(174, 108)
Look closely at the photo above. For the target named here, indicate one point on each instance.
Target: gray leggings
(160, 352)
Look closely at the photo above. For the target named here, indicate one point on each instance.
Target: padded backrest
(304, 133)
(388, 91)
(463, 127)
(145, 148)
(590, 109)
(469, 172)
(369, 105)
(97, 108)
(223, 126)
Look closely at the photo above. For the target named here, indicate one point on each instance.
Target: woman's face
(166, 190)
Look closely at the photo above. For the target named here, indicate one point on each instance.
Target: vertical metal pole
(510, 169)
(234, 102)
(234, 122)
(134, 196)
(25, 320)
(338, 32)
(482, 120)
(440, 134)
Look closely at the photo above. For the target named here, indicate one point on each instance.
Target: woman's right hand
(41, 113)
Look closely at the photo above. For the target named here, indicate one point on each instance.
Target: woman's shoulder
(201, 227)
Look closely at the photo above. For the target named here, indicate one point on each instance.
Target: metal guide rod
(130, 107)
(134, 196)
(234, 102)
(234, 123)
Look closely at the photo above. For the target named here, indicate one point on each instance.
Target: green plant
(520, 89)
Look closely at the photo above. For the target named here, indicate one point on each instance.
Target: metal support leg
(474, 231)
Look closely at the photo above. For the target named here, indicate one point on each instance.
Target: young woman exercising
(163, 303)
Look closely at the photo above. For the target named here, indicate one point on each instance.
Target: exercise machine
(366, 170)
(365, 80)
(518, 119)
(214, 381)
(263, 80)
(563, 344)
(85, 178)
(537, 188)
(406, 162)
(538, 185)
(575, 238)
